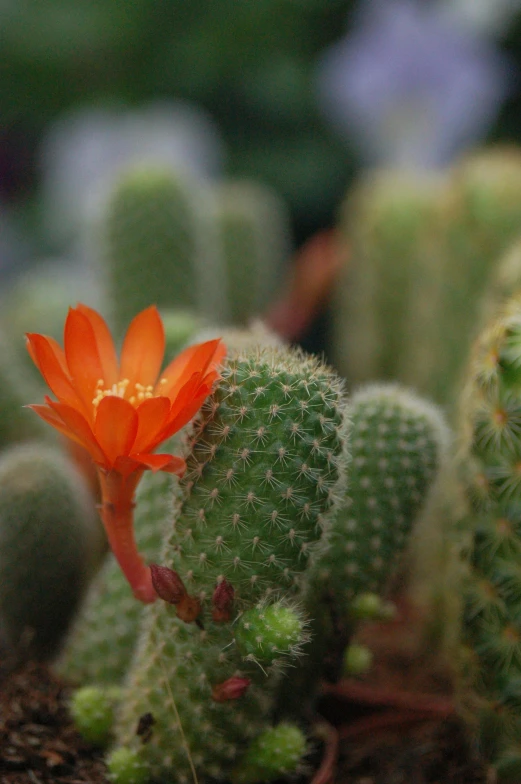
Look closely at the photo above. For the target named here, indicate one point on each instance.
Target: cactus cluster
(299, 505)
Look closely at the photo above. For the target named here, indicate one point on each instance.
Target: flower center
(120, 388)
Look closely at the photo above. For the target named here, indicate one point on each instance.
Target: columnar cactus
(156, 245)
(49, 544)
(398, 446)
(16, 422)
(253, 254)
(262, 477)
(490, 456)
(383, 224)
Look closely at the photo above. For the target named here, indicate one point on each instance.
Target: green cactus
(267, 633)
(100, 648)
(398, 445)
(156, 246)
(276, 752)
(253, 234)
(262, 476)
(49, 542)
(479, 218)
(383, 222)
(180, 328)
(92, 709)
(490, 454)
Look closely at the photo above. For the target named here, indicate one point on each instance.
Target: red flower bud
(167, 584)
(231, 689)
(188, 609)
(222, 601)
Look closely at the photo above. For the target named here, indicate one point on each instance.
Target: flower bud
(222, 601)
(167, 584)
(231, 689)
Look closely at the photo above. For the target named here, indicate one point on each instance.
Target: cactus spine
(262, 475)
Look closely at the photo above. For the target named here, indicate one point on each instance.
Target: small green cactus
(275, 753)
(92, 709)
(263, 473)
(49, 542)
(267, 633)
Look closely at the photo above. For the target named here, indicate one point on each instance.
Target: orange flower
(121, 411)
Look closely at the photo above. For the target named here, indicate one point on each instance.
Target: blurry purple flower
(85, 150)
(410, 86)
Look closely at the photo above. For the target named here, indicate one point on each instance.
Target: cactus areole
(120, 411)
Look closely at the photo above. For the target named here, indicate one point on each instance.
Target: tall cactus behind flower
(383, 223)
(477, 221)
(253, 237)
(262, 476)
(157, 246)
(16, 422)
(490, 456)
(49, 545)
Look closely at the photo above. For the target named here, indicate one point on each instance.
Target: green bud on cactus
(371, 607)
(49, 541)
(124, 767)
(275, 753)
(92, 709)
(266, 633)
(357, 660)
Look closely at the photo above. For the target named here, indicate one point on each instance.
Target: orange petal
(143, 348)
(49, 359)
(169, 463)
(76, 423)
(105, 345)
(83, 359)
(182, 416)
(194, 359)
(152, 415)
(115, 426)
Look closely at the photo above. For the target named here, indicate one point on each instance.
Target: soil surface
(38, 742)
(39, 745)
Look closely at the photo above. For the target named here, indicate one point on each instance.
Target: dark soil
(38, 742)
(39, 745)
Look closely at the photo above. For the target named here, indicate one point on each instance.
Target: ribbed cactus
(253, 236)
(49, 545)
(383, 224)
(263, 473)
(156, 245)
(102, 642)
(490, 457)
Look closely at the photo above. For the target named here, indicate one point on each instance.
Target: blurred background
(298, 95)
